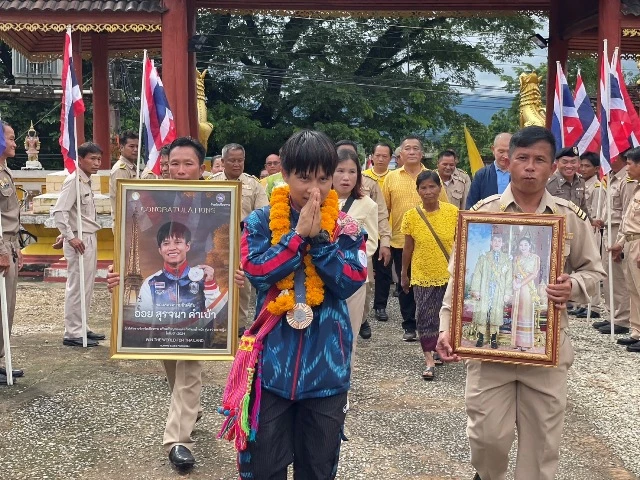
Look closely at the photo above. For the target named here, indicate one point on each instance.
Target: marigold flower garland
(280, 224)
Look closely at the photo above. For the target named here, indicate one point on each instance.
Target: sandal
(429, 373)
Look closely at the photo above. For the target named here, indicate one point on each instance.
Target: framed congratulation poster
(176, 248)
(500, 310)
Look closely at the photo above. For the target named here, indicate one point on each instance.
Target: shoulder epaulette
(484, 201)
(207, 176)
(253, 176)
(629, 179)
(575, 208)
(596, 185)
(123, 166)
(367, 174)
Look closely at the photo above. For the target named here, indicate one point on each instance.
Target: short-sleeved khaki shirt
(123, 168)
(9, 206)
(253, 194)
(573, 191)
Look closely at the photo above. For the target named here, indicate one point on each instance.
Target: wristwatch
(321, 238)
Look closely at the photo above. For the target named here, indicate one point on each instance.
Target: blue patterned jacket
(314, 362)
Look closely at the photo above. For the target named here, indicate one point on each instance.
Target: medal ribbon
(298, 285)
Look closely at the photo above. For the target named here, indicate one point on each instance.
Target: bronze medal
(300, 317)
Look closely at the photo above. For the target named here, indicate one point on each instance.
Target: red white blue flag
(3, 143)
(629, 108)
(72, 105)
(589, 141)
(608, 147)
(159, 126)
(565, 124)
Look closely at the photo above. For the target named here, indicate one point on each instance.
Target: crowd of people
(354, 232)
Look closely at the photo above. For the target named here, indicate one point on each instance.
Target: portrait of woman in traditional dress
(526, 269)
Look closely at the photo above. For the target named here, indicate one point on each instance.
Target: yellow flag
(475, 160)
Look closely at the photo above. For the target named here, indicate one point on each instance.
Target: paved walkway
(78, 415)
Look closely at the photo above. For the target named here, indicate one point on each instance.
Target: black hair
(412, 137)
(346, 143)
(307, 151)
(346, 154)
(87, 148)
(446, 153)
(592, 157)
(175, 230)
(428, 175)
(189, 142)
(634, 155)
(128, 135)
(164, 151)
(530, 135)
(385, 145)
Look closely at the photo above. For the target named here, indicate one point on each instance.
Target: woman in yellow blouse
(424, 264)
(347, 182)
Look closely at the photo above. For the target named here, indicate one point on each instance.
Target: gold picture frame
(500, 310)
(176, 247)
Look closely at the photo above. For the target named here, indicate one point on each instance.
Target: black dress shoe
(620, 341)
(494, 341)
(476, 477)
(617, 329)
(77, 342)
(381, 315)
(365, 330)
(584, 315)
(480, 341)
(3, 379)
(181, 457)
(635, 347)
(95, 336)
(578, 311)
(598, 325)
(15, 371)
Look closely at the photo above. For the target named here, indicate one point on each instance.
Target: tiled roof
(631, 7)
(119, 6)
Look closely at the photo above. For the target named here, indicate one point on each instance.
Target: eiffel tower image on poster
(133, 278)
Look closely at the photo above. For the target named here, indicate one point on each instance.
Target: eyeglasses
(272, 164)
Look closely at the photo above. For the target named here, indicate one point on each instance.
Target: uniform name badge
(196, 274)
(301, 315)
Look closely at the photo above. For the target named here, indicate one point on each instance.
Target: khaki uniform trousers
(72, 310)
(634, 290)
(244, 297)
(11, 282)
(621, 300)
(499, 396)
(185, 382)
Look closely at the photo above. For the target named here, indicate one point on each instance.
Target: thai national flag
(72, 105)
(160, 128)
(608, 148)
(565, 125)
(590, 139)
(632, 116)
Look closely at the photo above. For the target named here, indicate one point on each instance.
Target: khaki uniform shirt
(253, 194)
(573, 191)
(65, 211)
(121, 169)
(148, 175)
(631, 219)
(457, 190)
(400, 194)
(372, 190)
(9, 207)
(591, 189)
(369, 172)
(463, 175)
(617, 183)
(581, 256)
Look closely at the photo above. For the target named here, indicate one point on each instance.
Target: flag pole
(83, 305)
(607, 89)
(5, 313)
(142, 93)
(560, 89)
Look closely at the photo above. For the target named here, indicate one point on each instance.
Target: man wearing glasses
(565, 182)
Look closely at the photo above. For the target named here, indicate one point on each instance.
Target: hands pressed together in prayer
(309, 222)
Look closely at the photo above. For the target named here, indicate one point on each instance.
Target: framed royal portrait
(175, 248)
(500, 309)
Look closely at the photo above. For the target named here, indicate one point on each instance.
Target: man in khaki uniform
(382, 256)
(125, 167)
(253, 196)
(565, 182)
(10, 255)
(629, 240)
(164, 167)
(500, 396)
(78, 249)
(618, 184)
(456, 186)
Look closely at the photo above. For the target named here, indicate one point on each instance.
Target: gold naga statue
(204, 127)
(532, 111)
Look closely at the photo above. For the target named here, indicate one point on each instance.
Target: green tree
(362, 79)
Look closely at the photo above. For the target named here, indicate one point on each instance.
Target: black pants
(383, 281)
(306, 433)
(406, 300)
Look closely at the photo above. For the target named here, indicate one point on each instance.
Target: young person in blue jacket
(315, 256)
